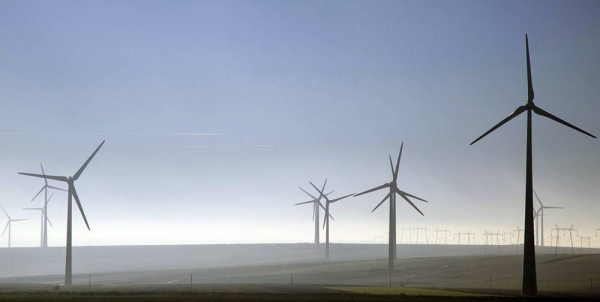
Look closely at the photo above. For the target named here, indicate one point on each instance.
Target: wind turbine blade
(340, 198)
(33, 209)
(76, 176)
(59, 178)
(44, 173)
(48, 219)
(408, 200)
(391, 165)
(19, 219)
(6, 227)
(50, 198)
(398, 162)
(55, 188)
(330, 193)
(504, 121)
(36, 195)
(80, 208)
(307, 193)
(538, 199)
(412, 196)
(320, 204)
(372, 190)
(386, 197)
(530, 94)
(542, 112)
(5, 212)
(311, 201)
(553, 208)
(320, 192)
(315, 208)
(323, 189)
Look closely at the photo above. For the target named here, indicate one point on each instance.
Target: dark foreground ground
(266, 292)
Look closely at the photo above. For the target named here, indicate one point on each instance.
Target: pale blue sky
(297, 91)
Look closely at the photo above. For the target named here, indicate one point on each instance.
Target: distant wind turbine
(540, 213)
(393, 186)
(45, 188)
(44, 220)
(326, 220)
(529, 286)
(72, 193)
(9, 225)
(316, 201)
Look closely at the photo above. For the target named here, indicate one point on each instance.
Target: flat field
(298, 273)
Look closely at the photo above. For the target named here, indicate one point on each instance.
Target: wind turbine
(529, 286)
(72, 193)
(46, 200)
(316, 201)
(393, 186)
(9, 225)
(326, 220)
(541, 213)
(44, 221)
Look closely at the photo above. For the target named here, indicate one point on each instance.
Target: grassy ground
(558, 276)
(406, 291)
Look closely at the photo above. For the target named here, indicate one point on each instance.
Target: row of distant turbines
(529, 285)
(447, 237)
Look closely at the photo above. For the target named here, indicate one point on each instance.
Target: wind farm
(213, 116)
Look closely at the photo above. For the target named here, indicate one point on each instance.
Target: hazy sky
(292, 91)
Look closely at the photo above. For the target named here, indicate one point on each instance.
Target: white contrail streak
(116, 133)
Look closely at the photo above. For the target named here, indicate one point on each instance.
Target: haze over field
(214, 112)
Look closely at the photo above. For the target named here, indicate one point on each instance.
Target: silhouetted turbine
(326, 220)
(44, 220)
(316, 201)
(9, 225)
(45, 224)
(393, 186)
(72, 193)
(529, 271)
(540, 213)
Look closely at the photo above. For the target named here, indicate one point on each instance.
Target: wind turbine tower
(9, 225)
(541, 213)
(45, 188)
(44, 220)
(393, 186)
(316, 201)
(72, 194)
(326, 220)
(529, 286)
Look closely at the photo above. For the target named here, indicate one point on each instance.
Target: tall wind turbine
(529, 286)
(326, 220)
(541, 213)
(9, 225)
(72, 193)
(44, 220)
(46, 200)
(393, 186)
(316, 201)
